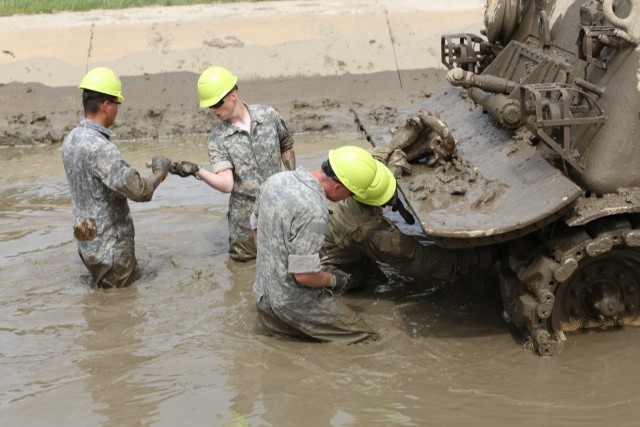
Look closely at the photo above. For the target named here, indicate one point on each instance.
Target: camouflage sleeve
(119, 176)
(218, 157)
(140, 189)
(384, 242)
(286, 140)
(286, 145)
(307, 236)
(284, 136)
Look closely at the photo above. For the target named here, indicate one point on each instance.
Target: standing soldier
(101, 181)
(250, 144)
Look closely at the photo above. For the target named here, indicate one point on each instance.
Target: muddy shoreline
(165, 105)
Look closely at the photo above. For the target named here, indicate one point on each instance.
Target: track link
(575, 278)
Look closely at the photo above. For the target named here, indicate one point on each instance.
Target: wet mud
(182, 345)
(166, 105)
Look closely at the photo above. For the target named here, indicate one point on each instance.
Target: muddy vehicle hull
(545, 117)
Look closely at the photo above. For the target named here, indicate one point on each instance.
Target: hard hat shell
(355, 167)
(381, 189)
(102, 80)
(214, 83)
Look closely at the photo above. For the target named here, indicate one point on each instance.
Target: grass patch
(12, 7)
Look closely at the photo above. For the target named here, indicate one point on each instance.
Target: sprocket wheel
(604, 291)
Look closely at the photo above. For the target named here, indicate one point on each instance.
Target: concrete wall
(263, 39)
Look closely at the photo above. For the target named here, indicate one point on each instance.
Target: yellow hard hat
(355, 167)
(102, 80)
(214, 83)
(381, 189)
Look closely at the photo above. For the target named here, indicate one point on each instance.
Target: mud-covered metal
(545, 116)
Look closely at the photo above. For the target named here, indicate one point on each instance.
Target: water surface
(182, 345)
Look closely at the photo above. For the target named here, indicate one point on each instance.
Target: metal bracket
(462, 51)
(552, 107)
(544, 32)
(591, 41)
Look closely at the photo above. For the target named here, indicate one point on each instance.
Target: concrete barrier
(256, 40)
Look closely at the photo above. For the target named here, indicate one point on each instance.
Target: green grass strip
(12, 7)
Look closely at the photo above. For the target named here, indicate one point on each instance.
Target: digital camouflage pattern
(292, 215)
(359, 235)
(100, 182)
(253, 157)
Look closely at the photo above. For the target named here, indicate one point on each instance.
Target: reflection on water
(182, 346)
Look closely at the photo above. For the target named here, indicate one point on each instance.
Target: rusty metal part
(552, 106)
(460, 77)
(465, 51)
(506, 111)
(592, 41)
(583, 277)
(603, 292)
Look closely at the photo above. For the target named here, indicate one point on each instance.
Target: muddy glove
(338, 282)
(160, 164)
(184, 168)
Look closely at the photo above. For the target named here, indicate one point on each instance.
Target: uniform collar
(308, 179)
(92, 124)
(254, 114)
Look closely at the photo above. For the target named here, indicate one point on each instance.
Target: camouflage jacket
(100, 181)
(349, 228)
(357, 232)
(253, 156)
(292, 213)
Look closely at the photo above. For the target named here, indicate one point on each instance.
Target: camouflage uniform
(292, 214)
(100, 182)
(358, 235)
(253, 157)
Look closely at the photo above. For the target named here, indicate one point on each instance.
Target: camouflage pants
(324, 318)
(241, 245)
(110, 257)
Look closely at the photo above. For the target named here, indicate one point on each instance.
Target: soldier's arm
(140, 189)
(320, 279)
(118, 175)
(385, 243)
(286, 146)
(221, 181)
(221, 176)
(289, 159)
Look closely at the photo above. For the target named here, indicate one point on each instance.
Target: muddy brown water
(182, 346)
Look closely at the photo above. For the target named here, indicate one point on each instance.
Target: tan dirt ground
(313, 60)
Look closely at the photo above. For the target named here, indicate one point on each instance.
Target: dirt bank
(165, 105)
(313, 60)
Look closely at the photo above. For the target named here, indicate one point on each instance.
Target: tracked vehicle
(544, 117)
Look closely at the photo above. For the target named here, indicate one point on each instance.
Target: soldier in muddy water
(359, 236)
(294, 295)
(249, 144)
(101, 181)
